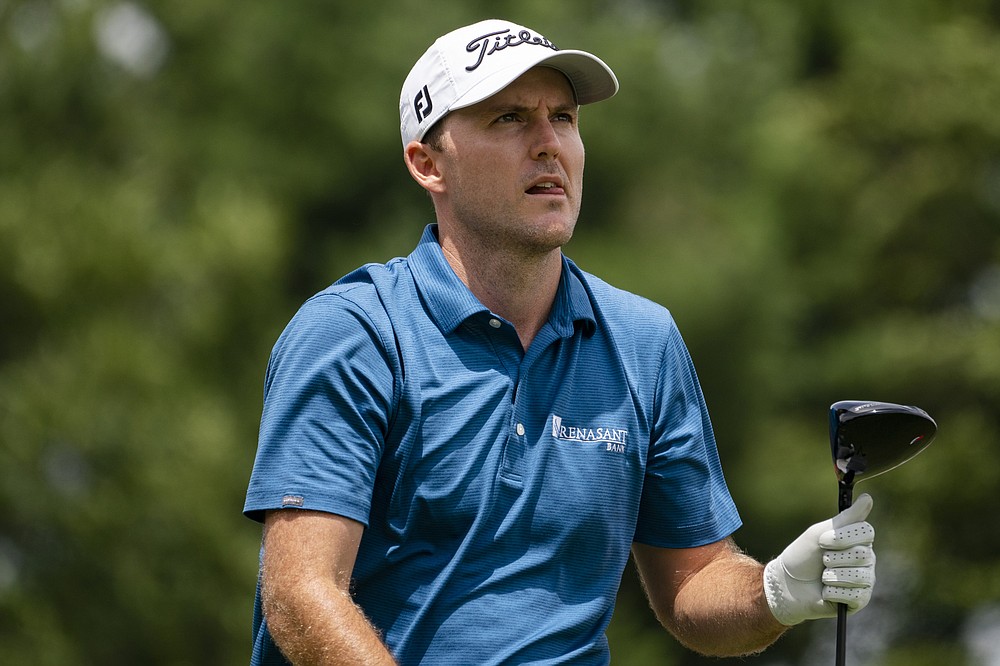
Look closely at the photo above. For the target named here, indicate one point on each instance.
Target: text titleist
(492, 42)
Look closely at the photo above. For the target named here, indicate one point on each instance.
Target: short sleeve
(328, 396)
(685, 501)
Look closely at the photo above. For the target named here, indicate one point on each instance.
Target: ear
(423, 164)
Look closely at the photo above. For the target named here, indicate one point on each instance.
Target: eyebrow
(521, 108)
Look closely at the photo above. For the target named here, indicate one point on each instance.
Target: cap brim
(592, 80)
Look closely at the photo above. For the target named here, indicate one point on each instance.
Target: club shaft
(844, 500)
(841, 635)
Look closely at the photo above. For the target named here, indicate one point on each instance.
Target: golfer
(460, 449)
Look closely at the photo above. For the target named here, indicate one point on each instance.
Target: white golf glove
(832, 562)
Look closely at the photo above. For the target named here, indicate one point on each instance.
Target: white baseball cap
(473, 63)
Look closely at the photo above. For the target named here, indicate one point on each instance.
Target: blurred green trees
(812, 188)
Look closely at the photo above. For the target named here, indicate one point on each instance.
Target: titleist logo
(492, 42)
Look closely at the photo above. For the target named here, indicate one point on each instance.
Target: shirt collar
(446, 297)
(572, 304)
(450, 302)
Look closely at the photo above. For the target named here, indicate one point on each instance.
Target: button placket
(506, 347)
(518, 444)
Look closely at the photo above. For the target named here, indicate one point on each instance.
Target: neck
(520, 287)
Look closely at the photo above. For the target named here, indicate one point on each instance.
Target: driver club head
(870, 438)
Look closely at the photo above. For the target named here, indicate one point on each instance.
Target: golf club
(867, 439)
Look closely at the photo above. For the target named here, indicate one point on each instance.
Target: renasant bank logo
(614, 438)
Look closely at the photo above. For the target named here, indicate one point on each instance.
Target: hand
(832, 562)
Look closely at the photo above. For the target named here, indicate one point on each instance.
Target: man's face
(512, 166)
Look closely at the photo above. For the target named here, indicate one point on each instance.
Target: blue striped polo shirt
(501, 489)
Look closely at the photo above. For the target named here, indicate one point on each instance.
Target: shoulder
(349, 317)
(357, 297)
(643, 333)
(625, 313)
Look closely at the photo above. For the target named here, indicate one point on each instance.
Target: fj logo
(422, 104)
(614, 439)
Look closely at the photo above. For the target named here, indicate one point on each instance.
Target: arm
(308, 559)
(710, 598)
(719, 602)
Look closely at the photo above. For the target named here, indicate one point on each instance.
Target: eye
(568, 118)
(510, 117)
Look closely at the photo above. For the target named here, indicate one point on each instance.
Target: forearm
(722, 611)
(308, 558)
(319, 623)
(711, 598)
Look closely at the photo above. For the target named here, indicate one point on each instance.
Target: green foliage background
(813, 188)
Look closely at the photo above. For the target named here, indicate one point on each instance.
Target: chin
(553, 236)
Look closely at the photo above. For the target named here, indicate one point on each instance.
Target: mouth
(547, 187)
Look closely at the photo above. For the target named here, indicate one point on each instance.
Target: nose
(546, 142)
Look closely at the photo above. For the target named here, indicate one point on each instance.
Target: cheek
(575, 155)
(576, 171)
(481, 184)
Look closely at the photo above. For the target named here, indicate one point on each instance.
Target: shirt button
(495, 323)
(520, 429)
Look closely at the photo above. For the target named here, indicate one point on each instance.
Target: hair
(432, 137)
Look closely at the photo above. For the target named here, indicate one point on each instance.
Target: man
(460, 449)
